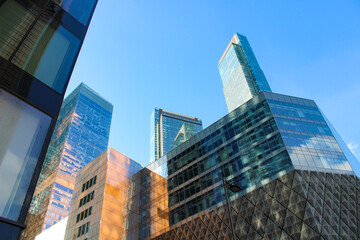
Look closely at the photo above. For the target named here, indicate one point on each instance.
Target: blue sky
(144, 54)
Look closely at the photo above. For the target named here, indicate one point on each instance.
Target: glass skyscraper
(294, 177)
(164, 131)
(81, 134)
(295, 181)
(241, 75)
(39, 45)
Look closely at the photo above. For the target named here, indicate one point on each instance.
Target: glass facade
(240, 73)
(353, 161)
(39, 45)
(276, 148)
(42, 41)
(23, 130)
(245, 146)
(80, 10)
(167, 130)
(309, 140)
(81, 134)
(263, 139)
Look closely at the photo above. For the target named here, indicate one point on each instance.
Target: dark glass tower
(39, 45)
(164, 131)
(240, 72)
(81, 134)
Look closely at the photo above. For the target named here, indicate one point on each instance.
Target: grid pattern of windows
(83, 229)
(84, 214)
(86, 199)
(88, 184)
(243, 148)
(307, 135)
(168, 130)
(81, 134)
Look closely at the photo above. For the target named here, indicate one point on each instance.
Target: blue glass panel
(80, 9)
(58, 58)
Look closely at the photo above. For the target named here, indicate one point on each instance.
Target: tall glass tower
(81, 134)
(164, 131)
(240, 73)
(39, 45)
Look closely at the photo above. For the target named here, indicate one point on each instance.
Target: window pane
(51, 54)
(79, 9)
(15, 20)
(23, 130)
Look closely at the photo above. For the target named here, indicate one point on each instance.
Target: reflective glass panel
(23, 130)
(15, 20)
(80, 9)
(50, 56)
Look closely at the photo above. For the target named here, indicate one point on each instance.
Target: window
(79, 9)
(86, 199)
(23, 130)
(83, 229)
(88, 184)
(45, 50)
(84, 214)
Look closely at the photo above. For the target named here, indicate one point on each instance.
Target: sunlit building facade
(81, 134)
(164, 131)
(241, 75)
(39, 45)
(106, 199)
(296, 180)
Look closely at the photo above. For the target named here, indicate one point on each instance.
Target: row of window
(88, 184)
(239, 123)
(86, 199)
(222, 154)
(231, 168)
(84, 214)
(83, 229)
(253, 176)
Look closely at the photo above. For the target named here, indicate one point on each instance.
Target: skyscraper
(164, 130)
(241, 75)
(39, 45)
(294, 178)
(81, 134)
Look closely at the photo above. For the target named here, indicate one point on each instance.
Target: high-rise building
(294, 178)
(81, 134)
(39, 45)
(241, 75)
(164, 131)
(105, 196)
(295, 181)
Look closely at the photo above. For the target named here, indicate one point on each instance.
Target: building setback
(39, 45)
(81, 134)
(168, 130)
